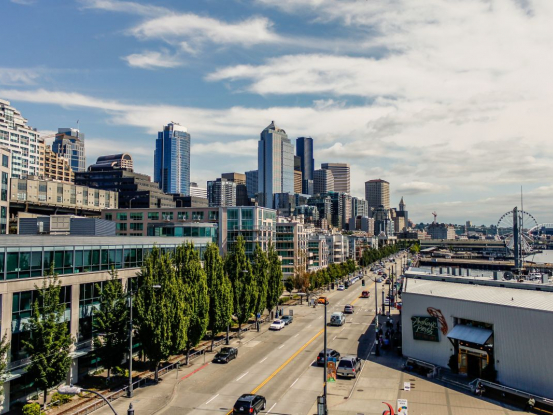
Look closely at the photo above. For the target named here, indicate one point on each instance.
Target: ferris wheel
(526, 223)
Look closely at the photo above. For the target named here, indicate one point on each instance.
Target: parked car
(277, 325)
(322, 300)
(379, 279)
(329, 353)
(348, 309)
(287, 319)
(387, 281)
(249, 404)
(365, 294)
(349, 366)
(341, 288)
(226, 354)
(337, 319)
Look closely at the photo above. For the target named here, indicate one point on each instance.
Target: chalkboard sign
(425, 328)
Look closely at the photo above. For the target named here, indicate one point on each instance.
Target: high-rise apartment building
(377, 193)
(56, 167)
(221, 192)
(341, 173)
(172, 159)
(276, 164)
(24, 142)
(239, 179)
(197, 191)
(69, 144)
(359, 207)
(323, 182)
(304, 149)
(251, 183)
(5, 173)
(297, 182)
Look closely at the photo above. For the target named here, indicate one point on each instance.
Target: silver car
(349, 366)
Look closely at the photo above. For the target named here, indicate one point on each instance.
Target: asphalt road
(280, 365)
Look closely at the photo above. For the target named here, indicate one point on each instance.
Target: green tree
(275, 286)
(4, 350)
(111, 320)
(289, 284)
(260, 269)
(49, 343)
(161, 320)
(189, 270)
(219, 290)
(243, 285)
(415, 249)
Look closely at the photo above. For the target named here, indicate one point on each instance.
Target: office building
(362, 223)
(117, 161)
(377, 193)
(221, 192)
(323, 182)
(323, 203)
(441, 231)
(383, 222)
(251, 183)
(275, 164)
(5, 173)
(297, 182)
(359, 207)
(25, 143)
(69, 144)
(132, 189)
(310, 213)
(190, 201)
(341, 174)
(83, 265)
(65, 225)
(304, 149)
(172, 159)
(56, 167)
(242, 198)
(238, 178)
(197, 191)
(346, 201)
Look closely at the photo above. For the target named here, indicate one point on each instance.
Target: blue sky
(450, 101)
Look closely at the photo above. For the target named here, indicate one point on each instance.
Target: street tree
(274, 285)
(219, 290)
(49, 342)
(260, 269)
(189, 270)
(111, 320)
(240, 273)
(161, 320)
(4, 350)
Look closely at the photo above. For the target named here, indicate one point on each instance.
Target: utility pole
(377, 349)
(325, 364)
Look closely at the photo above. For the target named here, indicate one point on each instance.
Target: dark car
(329, 353)
(249, 404)
(287, 319)
(226, 354)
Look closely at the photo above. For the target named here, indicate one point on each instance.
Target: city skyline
(463, 149)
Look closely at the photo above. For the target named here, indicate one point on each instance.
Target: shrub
(59, 399)
(32, 409)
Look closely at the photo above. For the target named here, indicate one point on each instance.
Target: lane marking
(242, 376)
(297, 335)
(281, 346)
(309, 325)
(264, 359)
(271, 408)
(334, 338)
(294, 382)
(211, 399)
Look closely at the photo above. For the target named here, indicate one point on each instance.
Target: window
(153, 215)
(213, 215)
(197, 215)
(121, 226)
(182, 215)
(137, 226)
(167, 215)
(5, 160)
(108, 216)
(121, 216)
(137, 216)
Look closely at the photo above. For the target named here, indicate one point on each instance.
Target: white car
(341, 288)
(277, 325)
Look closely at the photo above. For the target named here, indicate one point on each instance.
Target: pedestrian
(530, 404)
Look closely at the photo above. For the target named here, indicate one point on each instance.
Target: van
(337, 319)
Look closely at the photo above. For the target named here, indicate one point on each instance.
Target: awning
(470, 334)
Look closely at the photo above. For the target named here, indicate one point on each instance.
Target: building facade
(221, 192)
(377, 193)
(323, 181)
(25, 143)
(275, 164)
(5, 175)
(441, 231)
(117, 161)
(341, 174)
(172, 159)
(242, 197)
(291, 245)
(304, 149)
(197, 191)
(69, 144)
(56, 167)
(251, 183)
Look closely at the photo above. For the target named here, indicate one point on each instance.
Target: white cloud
(124, 6)
(242, 148)
(153, 60)
(24, 2)
(417, 188)
(18, 76)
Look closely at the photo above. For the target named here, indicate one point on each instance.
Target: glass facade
(172, 160)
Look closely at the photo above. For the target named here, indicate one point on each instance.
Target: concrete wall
(522, 339)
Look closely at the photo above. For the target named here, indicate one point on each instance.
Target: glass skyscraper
(172, 159)
(276, 164)
(304, 149)
(69, 144)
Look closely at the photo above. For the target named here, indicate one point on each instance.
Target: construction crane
(435, 216)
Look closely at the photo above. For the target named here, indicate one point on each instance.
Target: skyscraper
(276, 164)
(242, 198)
(341, 174)
(221, 192)
(69, 144)
(172, 159)
(304, 149)
(323, 182)
(377, 193)
(251, 183)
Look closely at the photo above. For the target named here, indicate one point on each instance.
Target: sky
(451, 101)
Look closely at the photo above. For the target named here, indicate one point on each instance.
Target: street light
(74, 390)
(130, 294)
(325, 363)
(377, 350)
(130, 202)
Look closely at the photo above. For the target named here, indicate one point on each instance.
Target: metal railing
(512, 391)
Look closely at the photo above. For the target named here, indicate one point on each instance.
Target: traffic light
(332, 285)
(363, 283)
